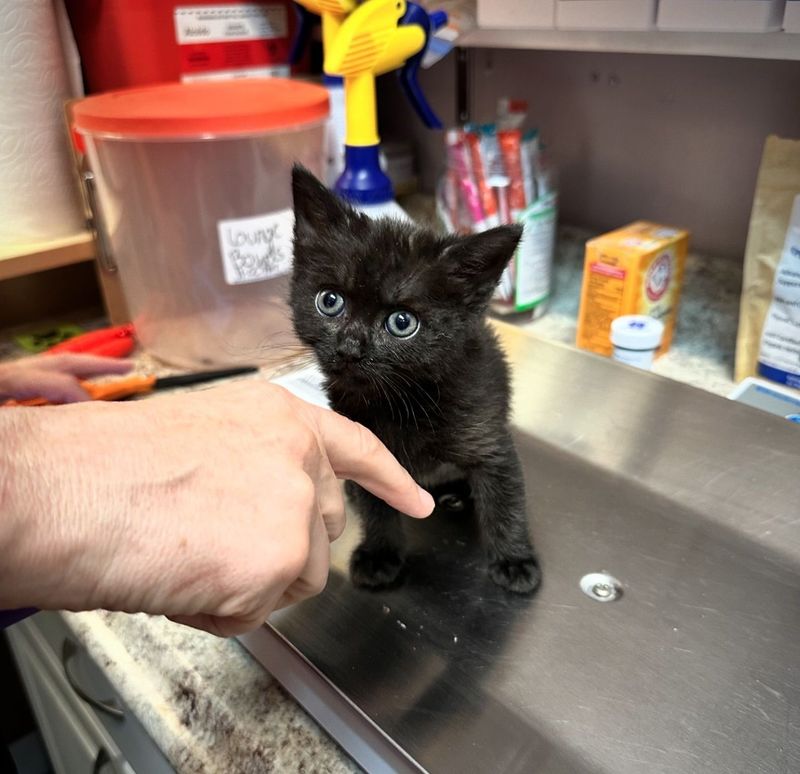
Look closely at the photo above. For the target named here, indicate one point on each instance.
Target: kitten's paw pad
(522, 576)
(376, 569)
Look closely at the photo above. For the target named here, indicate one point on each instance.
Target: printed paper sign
(224, 23)
(257, 248)
(232, 41)
(279, 71)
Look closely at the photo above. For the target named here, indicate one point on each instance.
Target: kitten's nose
(350, 349)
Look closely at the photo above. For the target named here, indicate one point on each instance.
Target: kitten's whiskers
(414, 393)
(377, 382)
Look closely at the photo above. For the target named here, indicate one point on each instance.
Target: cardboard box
(791, 17)
(637, 269)
(721, 15)
(517, 14)
(606, 14)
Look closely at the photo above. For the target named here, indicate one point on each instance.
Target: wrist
(46, 541)
(18, 430)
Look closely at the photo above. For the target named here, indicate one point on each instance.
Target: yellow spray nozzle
(332, 13)
(368, 43)
(369, 40)
(336, 7)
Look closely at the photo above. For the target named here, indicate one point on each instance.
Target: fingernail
(426, 501)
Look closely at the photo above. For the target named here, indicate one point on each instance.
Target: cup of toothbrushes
(635, 338)
(496, 175)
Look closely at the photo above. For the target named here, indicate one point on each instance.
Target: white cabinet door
(94, 694)
(76, 742)
(72, 748)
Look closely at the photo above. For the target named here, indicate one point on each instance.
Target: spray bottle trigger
(305, 24)
(416, 14)
(438, 19)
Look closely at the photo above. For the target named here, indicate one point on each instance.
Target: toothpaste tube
(447, 200)
(510, 142)
(544, 173)
(488, 201)
(498, 182)
(504, 211)
(459, 160)
(495, 173)
(530, 150)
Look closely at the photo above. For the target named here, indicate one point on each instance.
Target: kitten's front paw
(376, 569)
(522, 576)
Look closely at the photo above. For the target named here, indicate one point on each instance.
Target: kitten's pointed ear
(475, 263)
(316, 209)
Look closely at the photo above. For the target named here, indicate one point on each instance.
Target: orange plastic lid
(204, 108)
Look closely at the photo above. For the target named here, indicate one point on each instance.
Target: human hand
(55, 377)
(213, 508)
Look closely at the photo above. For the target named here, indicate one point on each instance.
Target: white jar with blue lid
(636, 338)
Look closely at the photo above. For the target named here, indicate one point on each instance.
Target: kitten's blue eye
(402, 324)
(329, 303)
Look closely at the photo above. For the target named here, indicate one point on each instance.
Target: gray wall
(675, 139)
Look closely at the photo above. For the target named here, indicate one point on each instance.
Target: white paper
(306, 383)
(223, 23)
(267, 71)
(257, 248)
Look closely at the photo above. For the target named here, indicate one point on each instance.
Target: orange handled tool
(119, 389)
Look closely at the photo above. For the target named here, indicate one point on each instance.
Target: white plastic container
(791, 16)
(194, 190)
(721, 15)
(335, 130)
(606, 14)
(516, 14)
(636, 337)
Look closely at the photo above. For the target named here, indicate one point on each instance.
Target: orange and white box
(637, 269)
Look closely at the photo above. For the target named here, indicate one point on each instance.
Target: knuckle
(288, 403)
(303, 492)
(302, 442)
(239, 603)
(297, 433)
(337, 527)
(317, 583)
(368, 443)
(337, 519)
(296, 556)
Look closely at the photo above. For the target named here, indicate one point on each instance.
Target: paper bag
(778, 184)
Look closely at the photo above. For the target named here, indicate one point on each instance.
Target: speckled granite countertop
(703, 348)
(212, 708)
(206, 703)
(702, 351)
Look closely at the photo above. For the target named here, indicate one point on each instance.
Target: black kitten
(396, 317)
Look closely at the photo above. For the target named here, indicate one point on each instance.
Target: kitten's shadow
(431, 644)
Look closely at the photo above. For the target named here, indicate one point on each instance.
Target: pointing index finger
(357, 454)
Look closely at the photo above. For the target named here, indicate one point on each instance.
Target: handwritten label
(257, 248)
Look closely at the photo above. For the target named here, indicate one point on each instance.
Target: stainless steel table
(691, 501)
